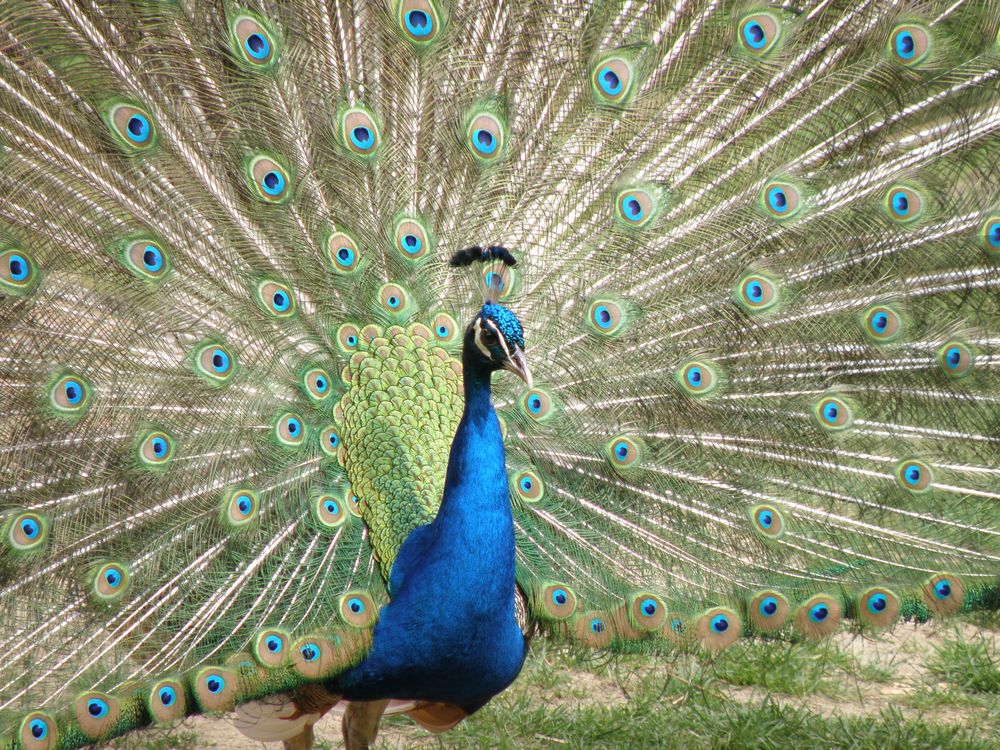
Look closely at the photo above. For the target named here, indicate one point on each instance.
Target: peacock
(272, 274)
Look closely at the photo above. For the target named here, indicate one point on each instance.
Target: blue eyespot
(310, 652)
(333, 439)
(345, 257)
(560, 597)
(293, 426)
(912, 474)
(632, 208)
(993, 234)
(603, 317)
(331, 507)
(274, 644)
(215, 684)
(73, 391)
(441, 331)
(152, 258)
(159, 446)
(220, 360)
(137, 128)
(877, 603)
(900, 203)
(97, 708)
(39, 729)
(777, 200)
(273, 182)
(880, 321)
(418, 23)
(18, 267)
(942, 589)
(393, 301)
(494, 281)
(906, 47)
(484, 141)
(648, 607)
(766, 519)
(321, 384)
(167, 696)
(768, 606)
(677, 625)
(694, 377)
(113, 577)
(609, 81)
(534, 404)
(244, 504)
(953, 357)
(30, 528)
(352, 340)
(720, 623)
(754, 35)
(819, 612)
(362, 137)
(831, 412)
(281, 301)
(257, 46)
(597, 625)
(412, 244)
(526, 484)
(621, 450)
(356, 605)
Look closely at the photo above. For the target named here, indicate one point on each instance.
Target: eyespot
(594, 629)
(276, 299)
(358, 609)
(17, 272)
(756, 293)
(420, 21)
(605, 317)
(485, 136)
(767, 521)
(878, 607)
(70, 395)
(132, 127)
(781, 200)
(635, 207)
(909, 44)
(536, 404)
(611, 80)
(253, 43)
(914, 475)
(156, 449)
(528, 486)
(290, 430)
(622, 452)
(353, 503)
(215, 362)
(956, 359)
(166, 701)
(718, 628)
(329, 511)
(412, 239)
(557, 602)
(647, 611)
(833, 414)
(269, 179)
(395, 301)
(96, 714)
(317, 384)
(818, 616)
(759, 32)
(944, 593)
(768, 610)
(444, 328)
(109, 582)
(146, 259)
(882, 323)
(240, 507)
(359, 132)
(342, 252)
(697, 378)
(27, 531)
(270, 647)
(215, 689)
(903, 204)
(348, 338)
(39, 731)
(329, 441)
(498, 283)
(989, 236)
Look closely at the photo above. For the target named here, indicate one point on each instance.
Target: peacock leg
(361, 720)
(301, 741)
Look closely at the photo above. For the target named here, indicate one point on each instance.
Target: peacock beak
(518, 365)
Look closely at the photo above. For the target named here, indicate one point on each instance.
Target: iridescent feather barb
(758, 266)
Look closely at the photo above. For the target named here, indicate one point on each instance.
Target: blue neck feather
(449, 633)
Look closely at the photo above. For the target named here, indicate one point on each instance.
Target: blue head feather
(506, 321)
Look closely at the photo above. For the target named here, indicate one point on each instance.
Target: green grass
(969, 665)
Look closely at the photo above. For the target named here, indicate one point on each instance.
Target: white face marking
(478, 325)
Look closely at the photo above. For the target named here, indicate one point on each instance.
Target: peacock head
(495, 340)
